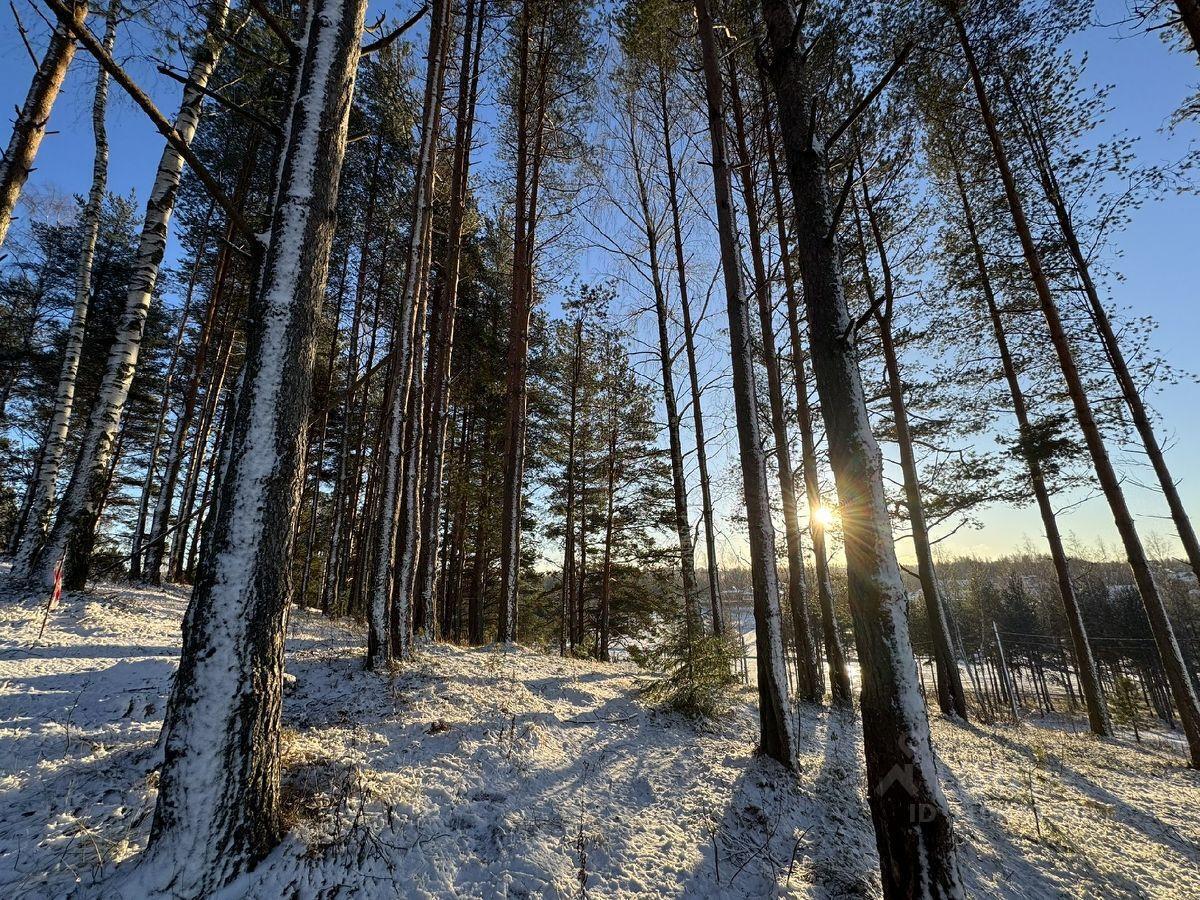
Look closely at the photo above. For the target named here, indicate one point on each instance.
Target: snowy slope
(488, 773)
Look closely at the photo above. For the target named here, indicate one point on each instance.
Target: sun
(824, 516)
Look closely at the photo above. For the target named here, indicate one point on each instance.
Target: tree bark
(34, 115)
(50, 461)
(1180, 680)
(218, 809)
(776, 730)
(835, 653)
(75, 525)
(913, 830)
(1089, 677)
(810, 685)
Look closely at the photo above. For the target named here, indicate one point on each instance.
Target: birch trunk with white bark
(74, 529)
(50, 461)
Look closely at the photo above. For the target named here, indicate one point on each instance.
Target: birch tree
(54, 448)
(74, 529)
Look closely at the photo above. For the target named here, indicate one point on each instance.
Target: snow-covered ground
(488, 773)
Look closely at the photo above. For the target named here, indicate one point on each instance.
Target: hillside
(490, 773)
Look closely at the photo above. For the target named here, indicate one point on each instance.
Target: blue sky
(1159, 261)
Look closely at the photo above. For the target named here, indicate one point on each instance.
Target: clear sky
(1160, 249)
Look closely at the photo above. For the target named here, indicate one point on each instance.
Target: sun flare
(824, 516)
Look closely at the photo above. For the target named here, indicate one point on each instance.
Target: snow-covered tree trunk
(395, 461)
(50, 461)
(218, 806)
(74, 529)
(1183, 689)
(913, 830)
(34, 115)
(777, 732)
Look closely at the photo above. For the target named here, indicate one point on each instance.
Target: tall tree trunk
(689, 343)
(1089, 676)
(810, 685)
(913, 830)
(75, 526)
(603, 623)
(951, 699)
(835, 653)
(1180, 680)
(148, 481)
(478, 567)
(218, 809)
(441, 345)
(208, 414)
(345, 499)
(50, 461)
(389, 554)
(531, 90)
(34, 115)
(1108, 336)
(322, 433)
(568, 573)
(218, 303)
(683, 528)
(776, 731)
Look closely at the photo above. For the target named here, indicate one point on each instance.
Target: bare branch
(276, 26)
(264, 123)
(165, 128)
(867, 100)
(390, 38)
